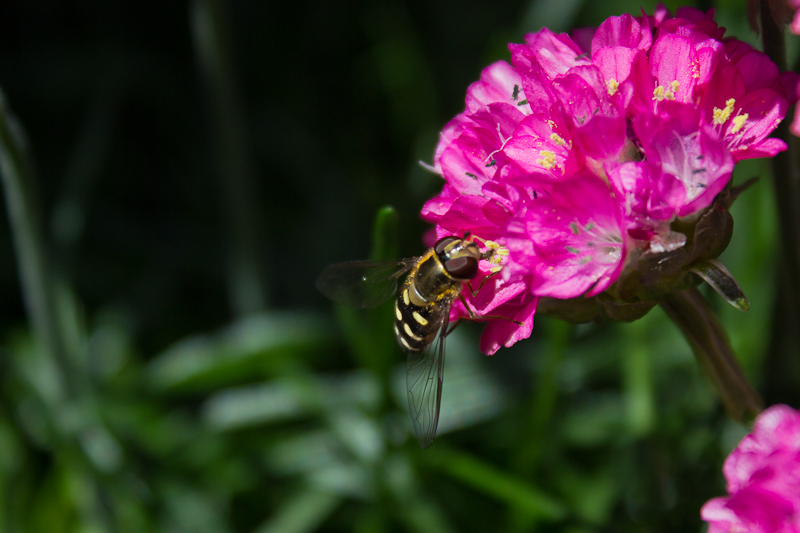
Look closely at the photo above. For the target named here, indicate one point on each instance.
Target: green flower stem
(39, 290)
(786, 177)
(692, 314)
(245, 283)
(544, 398)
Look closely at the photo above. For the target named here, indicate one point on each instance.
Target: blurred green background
(196, 165)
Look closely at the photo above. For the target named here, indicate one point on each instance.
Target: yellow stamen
(721, 116)
(613, 86)
(556, 138)
(548, 159)
(738, 122)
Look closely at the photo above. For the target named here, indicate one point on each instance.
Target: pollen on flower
(613, 86)
(660, 93)
(548, 159)
(738, 122)
(556, 138)
(720, 116)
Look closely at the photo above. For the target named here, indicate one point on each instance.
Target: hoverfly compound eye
(442, 243)
(463, 267)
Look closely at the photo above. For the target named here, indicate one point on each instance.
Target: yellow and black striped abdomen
(416, 325)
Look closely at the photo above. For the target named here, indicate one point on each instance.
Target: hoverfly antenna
(466, 235)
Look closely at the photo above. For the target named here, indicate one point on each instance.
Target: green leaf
(301, 512)
(492, 481)
(290, 398)
(259, 344)
(384, 235)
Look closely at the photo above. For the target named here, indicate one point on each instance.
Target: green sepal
(717, 276)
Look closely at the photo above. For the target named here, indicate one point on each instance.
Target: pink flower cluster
(573, 160)
(794, 27)
(763, 475)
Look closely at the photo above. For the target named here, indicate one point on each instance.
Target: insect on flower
(422, 311)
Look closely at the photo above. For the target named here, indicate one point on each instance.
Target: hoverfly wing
(425, 371)
(363, 284)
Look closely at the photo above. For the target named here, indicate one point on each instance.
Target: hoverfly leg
(474, 317)
(451, 328)
(483, 282)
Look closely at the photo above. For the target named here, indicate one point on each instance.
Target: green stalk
(786, 177)
(692, 314)
(35, 274)
(245, 284)
(544, 399)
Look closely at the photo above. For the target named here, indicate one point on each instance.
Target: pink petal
(576, 235)
(674, 65)
(622, 31)
(539, 144)
(615, 63)
(765, 109)
(497, 84)
(758, 71)
(506, 333)
(556, 53)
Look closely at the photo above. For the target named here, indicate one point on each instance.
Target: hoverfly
(422, 311)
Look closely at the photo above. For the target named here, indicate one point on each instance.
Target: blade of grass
(36, 276)
(545, 393)
(212, 48)
(638, 380)
(494, 482)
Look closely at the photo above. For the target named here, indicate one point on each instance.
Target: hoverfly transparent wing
(425, 371)
(363, 284)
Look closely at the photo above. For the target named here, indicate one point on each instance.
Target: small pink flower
(763, 475)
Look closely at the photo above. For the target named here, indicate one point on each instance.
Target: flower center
(495, 255)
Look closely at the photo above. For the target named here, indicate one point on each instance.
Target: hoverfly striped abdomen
(415, 325)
